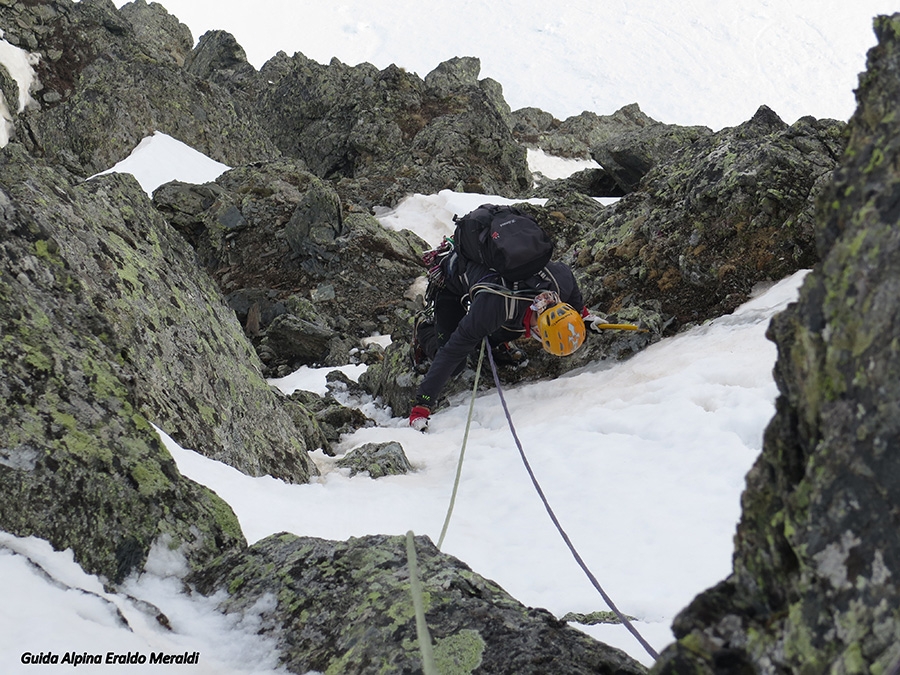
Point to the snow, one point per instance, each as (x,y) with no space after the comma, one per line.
(19,64)
(643,461)
(151,163)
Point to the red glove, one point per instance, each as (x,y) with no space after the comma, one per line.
(418,417)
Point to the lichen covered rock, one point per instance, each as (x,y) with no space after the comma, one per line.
(346,607)
(192,371)
(383,134)
(376,459)
(711,219)
(276,226)
(80,464)
(817,559)
(113,77)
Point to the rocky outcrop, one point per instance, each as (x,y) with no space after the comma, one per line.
(590,182)
(112,78)
(628,157)
(193,372)
(717,216)
(575,136)
(383,134)
(274,233)
(817,559)
(347,607)
(80,465)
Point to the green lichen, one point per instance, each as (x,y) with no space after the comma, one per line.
(48,250)
(854,661)
(150,479)
(459,654)
(224,516)
(692,643)
(799,644)
(37,359)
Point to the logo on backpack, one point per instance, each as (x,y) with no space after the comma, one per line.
(503,239)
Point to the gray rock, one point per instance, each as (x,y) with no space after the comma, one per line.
(216,51)
(297,341)
(575,136)
(80,464)
(346,607)
(723,213)
(332,418)
(158,32)
(131,57)
(628,157)
(453,75)
(382,134)
(590,182)
(376,459)
(294,237)
(194,373)
(817,558)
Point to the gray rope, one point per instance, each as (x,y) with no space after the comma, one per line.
(415,586)
(624,619)
(462,450)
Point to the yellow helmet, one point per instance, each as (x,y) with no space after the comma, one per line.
(561,329)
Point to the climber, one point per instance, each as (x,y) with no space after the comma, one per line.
(547,306)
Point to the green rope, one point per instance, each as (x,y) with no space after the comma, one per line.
(428,666)
(462,450)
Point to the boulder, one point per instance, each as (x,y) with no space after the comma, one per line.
(817,559)
(159,33)
(195,375)
(590,182)
(575,136)
(80,464)
(629,156)
(376,459)
(332,418)
(346,607)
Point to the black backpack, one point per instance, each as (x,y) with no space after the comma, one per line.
(503,239)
